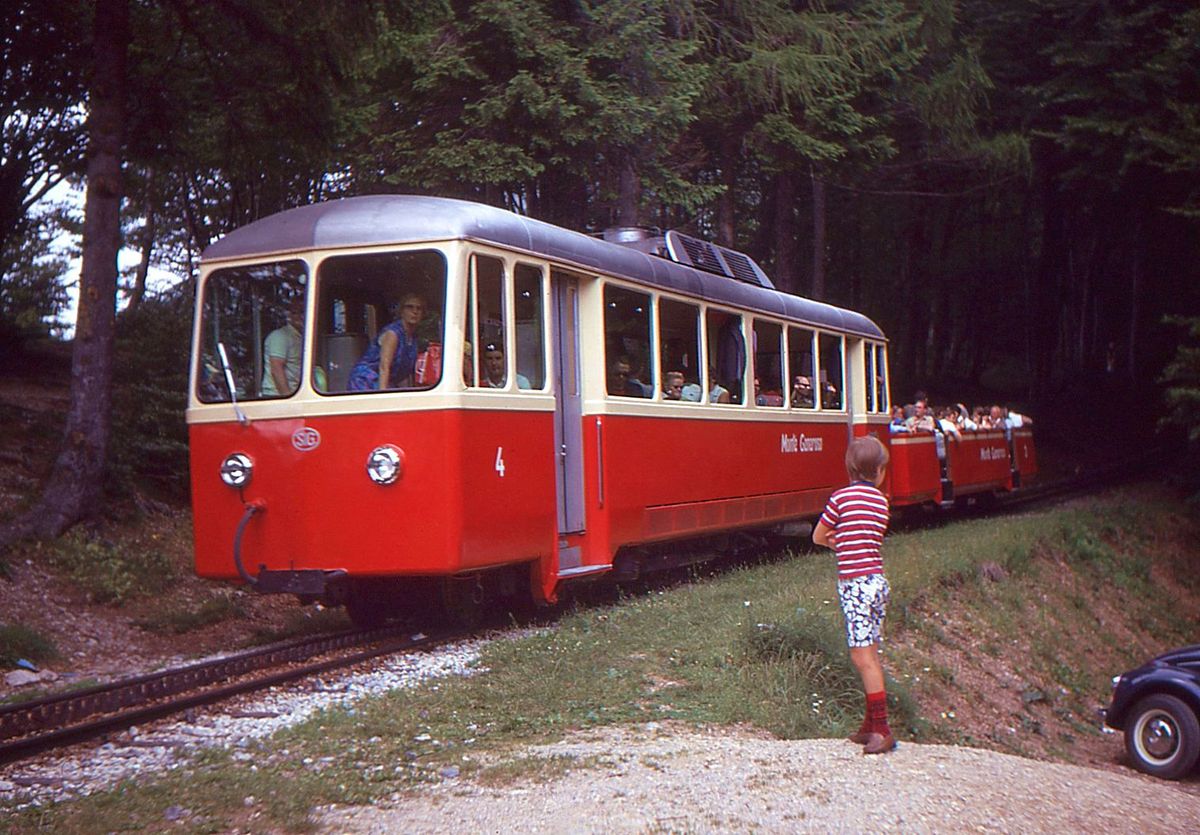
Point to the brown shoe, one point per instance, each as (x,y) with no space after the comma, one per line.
(859,737)
(879,744)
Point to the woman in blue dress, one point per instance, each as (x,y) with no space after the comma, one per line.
(397,341)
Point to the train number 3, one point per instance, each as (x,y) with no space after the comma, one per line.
(500,460)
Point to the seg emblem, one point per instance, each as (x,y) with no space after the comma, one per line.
(306,439)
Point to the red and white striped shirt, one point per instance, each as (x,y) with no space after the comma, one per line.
(858,515)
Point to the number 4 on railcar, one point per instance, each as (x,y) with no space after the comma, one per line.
(405,402)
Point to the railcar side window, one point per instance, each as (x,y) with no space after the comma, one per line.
(869,375)
(831,375)
(768,364)
(530,328)
(679,351)
(726,356)
(380,321)
(253,315)
(489,315)
(800,367)
(627,342)
(881,381)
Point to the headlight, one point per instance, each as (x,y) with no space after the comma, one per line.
(237,469)
(385,464)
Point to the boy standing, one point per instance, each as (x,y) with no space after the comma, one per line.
(853,524)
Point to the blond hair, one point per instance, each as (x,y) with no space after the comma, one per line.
(865,458)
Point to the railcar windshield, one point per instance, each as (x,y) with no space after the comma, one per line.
(251,332)
(379,322)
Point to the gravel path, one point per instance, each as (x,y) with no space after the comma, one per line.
(662,779)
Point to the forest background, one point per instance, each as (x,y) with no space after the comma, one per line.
(1010,189)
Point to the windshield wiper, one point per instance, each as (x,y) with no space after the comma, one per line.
(237,410)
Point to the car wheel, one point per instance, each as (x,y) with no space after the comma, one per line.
(1162,736)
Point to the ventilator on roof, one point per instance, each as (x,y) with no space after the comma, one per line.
(711,258)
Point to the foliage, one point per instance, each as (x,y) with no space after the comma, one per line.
(559,111)
(179,621)
(1182,378)
(111,573)
(32,291)
(1009,190)
(149,442)
(18,641)
(42,66)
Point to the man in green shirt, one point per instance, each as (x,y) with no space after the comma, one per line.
(282,350)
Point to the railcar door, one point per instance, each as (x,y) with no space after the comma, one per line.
(568,428)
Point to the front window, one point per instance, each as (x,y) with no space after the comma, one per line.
(379,322)
(252,326)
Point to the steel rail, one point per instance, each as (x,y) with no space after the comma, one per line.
(31,727)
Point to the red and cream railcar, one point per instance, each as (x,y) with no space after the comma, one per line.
(941,469)
(570,405)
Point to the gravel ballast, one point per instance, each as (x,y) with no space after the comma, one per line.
(143,753)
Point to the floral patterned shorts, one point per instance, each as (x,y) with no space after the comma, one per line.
(864,603)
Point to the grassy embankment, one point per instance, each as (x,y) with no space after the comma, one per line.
(760,645)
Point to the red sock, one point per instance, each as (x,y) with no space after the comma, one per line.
(865,727)
(877,713)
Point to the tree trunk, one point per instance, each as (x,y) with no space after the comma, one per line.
(913,292)
(143,271)
(629,195)
(1047,302)
(818,217)
(784,234)
(1135,296)
(75,484)
(727,202)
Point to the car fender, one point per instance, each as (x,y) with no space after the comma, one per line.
(1138,685)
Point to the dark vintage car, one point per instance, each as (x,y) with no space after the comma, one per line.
(1157,705)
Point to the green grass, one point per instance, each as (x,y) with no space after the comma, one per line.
(18,641)
(214,610)
(301,622)
(761,645)
(112,573)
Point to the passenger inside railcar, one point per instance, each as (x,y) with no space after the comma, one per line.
(768,397)
(802,392)
(947,424)
(496,369)
(468,363)
(282,350)
(831,398)
(921,420)
(673,382)
(1008,418)
(622,381)
(964,419)
(899,423)
(391,358)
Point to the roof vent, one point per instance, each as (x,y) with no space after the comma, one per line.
(715,259)
(646,239)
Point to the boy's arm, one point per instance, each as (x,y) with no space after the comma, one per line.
(823,535)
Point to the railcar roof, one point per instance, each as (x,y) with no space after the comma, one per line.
(400,218)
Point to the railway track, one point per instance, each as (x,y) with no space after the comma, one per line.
(32,727)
